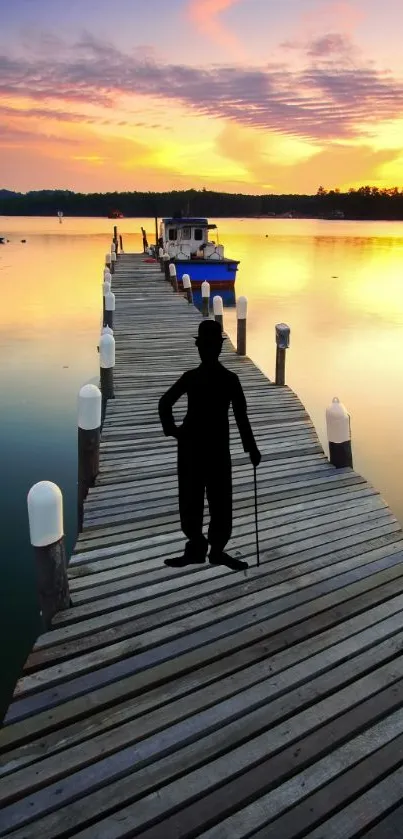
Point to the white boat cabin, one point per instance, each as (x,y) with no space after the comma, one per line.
(188,238)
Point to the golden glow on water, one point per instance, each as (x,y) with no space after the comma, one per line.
(339,285)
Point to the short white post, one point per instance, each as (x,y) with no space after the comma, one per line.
(187,287)
(339,435)
(45,514)
(205,291)
(108,261)
(107,275)
(113,248)
(113,262)
(106,287)
(160,257)
(107,363)
(109,308)
(241,312)
(165,260)
(89,435)
(218,310)
(172,274)
(282,344)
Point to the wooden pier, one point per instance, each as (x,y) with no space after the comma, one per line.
(170,703)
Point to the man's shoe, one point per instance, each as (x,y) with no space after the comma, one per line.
(217,558)
(194,554)
(182,561)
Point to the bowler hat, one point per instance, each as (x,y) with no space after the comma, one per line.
(209,330)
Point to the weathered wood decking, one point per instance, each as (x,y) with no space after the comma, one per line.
(202,702)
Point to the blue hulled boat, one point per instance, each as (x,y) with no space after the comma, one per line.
(186,240)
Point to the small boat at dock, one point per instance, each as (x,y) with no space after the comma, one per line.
(186,240)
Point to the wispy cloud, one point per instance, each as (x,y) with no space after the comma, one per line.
(207,15)
(328,98)
(331,44)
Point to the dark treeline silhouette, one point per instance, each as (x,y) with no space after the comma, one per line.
(364,203)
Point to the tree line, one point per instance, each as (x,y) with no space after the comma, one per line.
(367,202)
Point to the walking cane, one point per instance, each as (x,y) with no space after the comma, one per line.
(256,522)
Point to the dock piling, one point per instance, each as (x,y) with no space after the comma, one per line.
(89,435)
(45,514)
(121,244)
(108,261)
(115,239)
(160,257)
(107,363)
(339,435)
(241,312)
(282,344)
(166,259)
(106,287)
(205,290)
(109,308)
(187,288)
(113,262)
(218,310)
(172,274)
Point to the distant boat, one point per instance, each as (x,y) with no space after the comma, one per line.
(115,214)
(60,214)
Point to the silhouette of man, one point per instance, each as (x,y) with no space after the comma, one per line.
(204,460)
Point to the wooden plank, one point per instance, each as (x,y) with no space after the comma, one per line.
(167,610)
(176,649)
(255,763)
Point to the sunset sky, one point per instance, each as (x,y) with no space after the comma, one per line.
(241,95)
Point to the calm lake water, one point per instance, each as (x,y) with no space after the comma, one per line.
(339,285)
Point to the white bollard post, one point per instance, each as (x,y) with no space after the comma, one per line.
(107,261)
(106,287)
(113,262)
(187,287)
(160,257)
(282,344)
(109,308)
(89,435)
(45,514)
(218,310)
(165,260)
(339,435)
(107,275)
(113,248)
(172,274)
(107,363)
(205,291)
(241,312)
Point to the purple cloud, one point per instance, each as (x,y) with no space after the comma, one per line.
(324,100)
(332,44)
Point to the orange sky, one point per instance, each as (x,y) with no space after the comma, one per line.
(238,95)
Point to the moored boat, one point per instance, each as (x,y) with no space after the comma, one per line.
(186,240)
